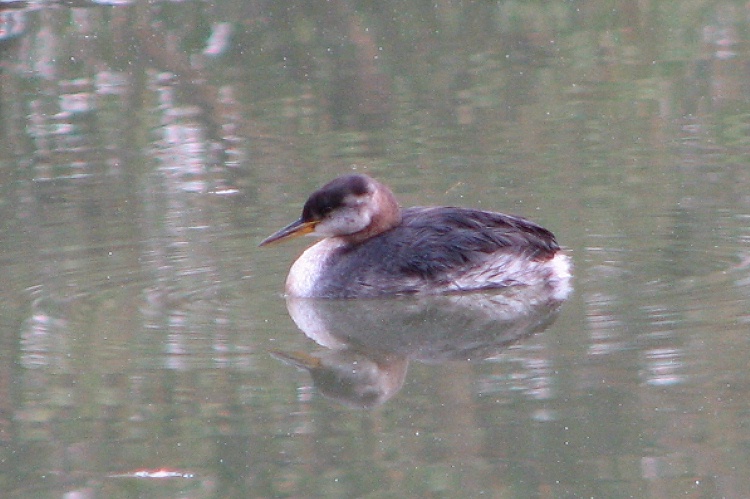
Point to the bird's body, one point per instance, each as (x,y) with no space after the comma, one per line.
(373,248)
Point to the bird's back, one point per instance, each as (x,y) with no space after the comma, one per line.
(437,250)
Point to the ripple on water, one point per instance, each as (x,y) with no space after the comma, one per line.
(675,298)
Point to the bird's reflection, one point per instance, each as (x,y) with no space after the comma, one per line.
(351,377)
(369,343)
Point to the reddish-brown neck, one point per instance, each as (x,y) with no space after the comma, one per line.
(386,215)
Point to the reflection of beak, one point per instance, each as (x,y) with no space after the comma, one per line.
(294,229)
(300,360)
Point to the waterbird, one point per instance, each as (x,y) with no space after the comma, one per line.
(371,247)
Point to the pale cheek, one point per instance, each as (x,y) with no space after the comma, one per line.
(347,223)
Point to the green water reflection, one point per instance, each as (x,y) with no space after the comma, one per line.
(146,148)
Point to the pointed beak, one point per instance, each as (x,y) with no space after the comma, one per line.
(294,229)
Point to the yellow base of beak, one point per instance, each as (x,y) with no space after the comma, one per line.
(294,229)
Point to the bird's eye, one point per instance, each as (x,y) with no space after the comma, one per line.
(325,211)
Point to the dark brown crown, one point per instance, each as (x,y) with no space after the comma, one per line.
(333,195)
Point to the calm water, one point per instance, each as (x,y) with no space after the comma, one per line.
(146,149)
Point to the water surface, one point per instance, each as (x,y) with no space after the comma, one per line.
(147,149)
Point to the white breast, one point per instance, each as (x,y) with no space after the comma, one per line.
(306,272)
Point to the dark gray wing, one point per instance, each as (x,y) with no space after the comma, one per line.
(435,245)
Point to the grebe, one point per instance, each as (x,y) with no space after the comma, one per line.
(371,247)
